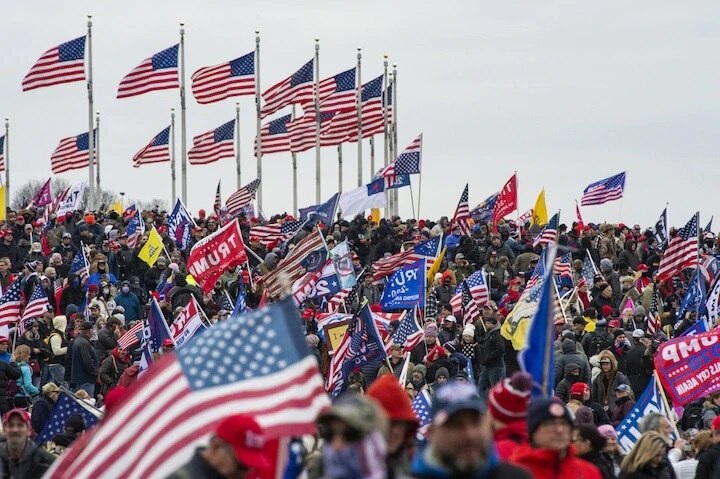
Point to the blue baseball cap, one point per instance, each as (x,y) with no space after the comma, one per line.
(453,397)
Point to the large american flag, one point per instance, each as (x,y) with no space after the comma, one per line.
(302,131)
(408,334)
(71,154)
(549,232)
(157,151)
(427,249)
(61,64)
(276,232)
(336,93)
(132,336)
(604,190)
(242,197)
(462,213)
(681,251)
(296,88)
(290,268)
(274,136)
(231,79)
(159,72)
(135,227)
(256,363)
(2,153)
(66,406)
(477,288)
(408,162)
(10,305)
(344,126)
(563,266)
(213,145)
(37,304)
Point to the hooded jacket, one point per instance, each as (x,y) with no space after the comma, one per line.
(551,464)
(603,388)
(571,356)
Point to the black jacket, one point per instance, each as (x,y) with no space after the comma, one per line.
(196,468)
(492,349)
(709,463)
(598,460)
(638,368)
(33,463)
(7,371)
(40,412)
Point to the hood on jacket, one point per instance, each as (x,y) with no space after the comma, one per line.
(442,372)
(60,322)
(570,368)
(568,346)
(610,356)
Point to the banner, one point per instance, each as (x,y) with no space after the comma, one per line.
(628,431)
(214,254)
(406,288)
(506,201)
(72,201)
(342,259)
(187,323)
(689,366)
(322,282)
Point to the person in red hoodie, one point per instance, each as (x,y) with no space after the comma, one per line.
(549,454)
(507,404)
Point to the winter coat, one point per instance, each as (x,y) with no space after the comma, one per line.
(492,348)
(85,362)
(709,463)
(26,388)
(111,369)
(603,390)
(447,335)
(7,371)
(396,368)
(562,390)
(510,437)
(638,368)
(425,465)
(129,376)
(33,463)
(106,342)
(570,356)
(131,303)
(40,412)
(601,462)
(623,406)
(550,464)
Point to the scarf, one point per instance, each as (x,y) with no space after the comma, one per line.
(362,460)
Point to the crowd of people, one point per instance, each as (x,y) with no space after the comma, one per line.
(482,420)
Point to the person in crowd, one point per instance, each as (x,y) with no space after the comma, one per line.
(19,456)
(611,451)
(85,365)
(709,459)
(9,371)
(507,404)
(589,445)
(44,404)
(563,390)
(107,338)
(605,385)
(26,389)
(710,410)
(687,468)
(57,346)
(646,459)
(396,360)
(74,426)
(624,403)
(660,424)
(492,356)
(571,356)
(128,300)
(112,368)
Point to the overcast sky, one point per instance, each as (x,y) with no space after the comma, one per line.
(565,93)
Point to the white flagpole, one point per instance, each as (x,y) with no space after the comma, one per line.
(7,164)
(97,150)
(394,193)
(317,121)
(359,115)
(237,145)
(340,168)
(172,155)
(420,180)
(372,155)
(258,153)
(294,171)
(183,116)
(91,122)
(386,153)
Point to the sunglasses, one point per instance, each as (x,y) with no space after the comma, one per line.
(348,434)
(605,362)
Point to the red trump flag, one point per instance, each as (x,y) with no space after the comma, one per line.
(214,254)
(506,201)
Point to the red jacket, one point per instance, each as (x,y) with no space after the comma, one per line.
(547,464)
(510,437)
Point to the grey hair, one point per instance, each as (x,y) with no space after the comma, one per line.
(651,422)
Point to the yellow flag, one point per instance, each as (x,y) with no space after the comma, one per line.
(375,213)
(2,203)
(116,207)
(152,249)
(540,216)
(435,266)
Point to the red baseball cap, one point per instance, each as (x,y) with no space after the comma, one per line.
(20,412)
(168,342)
(714,425)
(4,339)
(614,324)
(246,438)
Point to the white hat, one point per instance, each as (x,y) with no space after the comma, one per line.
(450,318)
(469,330)
(638,333)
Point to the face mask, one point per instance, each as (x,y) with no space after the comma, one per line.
(126,289)
(106,290)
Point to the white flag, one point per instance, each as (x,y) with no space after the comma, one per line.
(187,323)
(72,201)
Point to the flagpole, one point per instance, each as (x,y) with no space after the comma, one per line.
(340,168)
(183,116)
(358,96)
(294,171)
(97,150)
(258,153)
(388,196)
(420,180)
(317,120)
(372,155)
(91,133)
(394,193)
(7,165)
(172,157)
(659,387)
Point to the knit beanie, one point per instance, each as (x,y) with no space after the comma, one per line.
(431,330)
(469,330)
(442,372)
(544,409)
(607,431)
(607,311)
(508,399)
(419,368)
(394,400)
(584,415)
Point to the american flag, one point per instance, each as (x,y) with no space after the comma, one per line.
(709,267)
(242,197)
(462,213)
(157,151)
(408,162)
(297,88)
(231,79)
(589,270)
(344,126)
(290,268)
(549,232)
(563,265)
(476,286)
(408,334)
(135,228)
(653,320)
(61,64)
(178,403)
(217,204)
(682,250)
(159,72)
(132,336)
(2,153)
(302,131)
(336,93)
(580,223)
(79,266)
(484,211)
(421,406)
(66,406)
(10,305)
(344,298)
(274,136)
(427,249)
(213,145)
(604,190)
(36,305)
(71,154)
(276,232)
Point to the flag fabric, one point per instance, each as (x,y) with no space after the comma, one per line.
(10,303)
(462,213)
(64,63)
(695,299)
(483,212)
(363,198)
(662,233)
(344,298)
(470,311)
(563,266)
(135,228)
(155,332)
(605,190)
(275,233)
(283,392)
(132,336)
(72,153)
(157,151)
(342,259)
(336,93)
(476,287)
(709,267)
(152,249)
(681,251)
(408,162)
(540,214)
(79,266)
(227,80)
(187,323)
(291,266)
(213,145)
(159,72)
(517,321)
(628,431)
(408,334)
(324,212)
(361,345)
(316,283)
(708,228)
(66,406)
(297,88)
(37,304)
(302,130)
(538,357)
(428,249)
(578,216)
(405,288)
(240,301)
(343,127)
(421,406)
(180,223)
(242,197)
(43,197)
(71,201)
(2,153)
(506,201)
(217,204)
(713,303)
(274,136)
(588,271)
(549,233)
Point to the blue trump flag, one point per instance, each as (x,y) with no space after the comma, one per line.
(406,288)
(155,333)
(65,407)
(538,357)
(324,212)
(240,301)
(399,181)
(628,431)
(180,224)
(695,298)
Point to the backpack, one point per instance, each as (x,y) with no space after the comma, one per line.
(692,415)
(12,389)
(598,343)
(48,349)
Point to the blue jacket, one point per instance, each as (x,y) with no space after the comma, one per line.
(425,466)
(85,364)
(131,303)
(451,243)
(5,357)
(25,384)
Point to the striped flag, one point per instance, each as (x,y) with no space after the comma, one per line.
(274,136)
(604,190)
(297,88)
(177,405)
(213,145)
(428,249)
(408,334)
(157,151)
(290,268)
(344,126)
(64,63)
(132,336)
(217,204)
(79,266)
(344,299)
(477,288)
(71,154)
(302,131)
(242,197)
(2,153)
(549,232)
(159,72)
(276,233)
(563,266)
(227,80)
(37,304)
(10,305)
(682,250)
(462,213)
(408,162)
(135,228)
(339,92)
